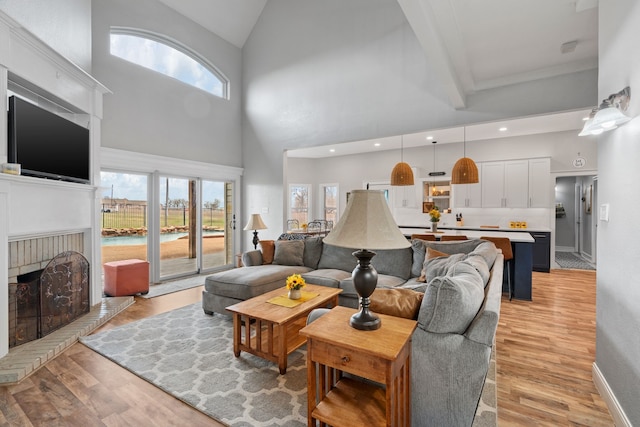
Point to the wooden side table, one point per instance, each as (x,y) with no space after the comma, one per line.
(382,356)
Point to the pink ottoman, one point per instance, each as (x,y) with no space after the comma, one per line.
(126,277)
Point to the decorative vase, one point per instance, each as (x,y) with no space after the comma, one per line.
(294,294)
(434,227)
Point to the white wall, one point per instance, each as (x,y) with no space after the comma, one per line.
(618,280)
(324,72)
(154,114)
(65,25)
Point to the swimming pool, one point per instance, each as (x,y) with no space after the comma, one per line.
(141,240)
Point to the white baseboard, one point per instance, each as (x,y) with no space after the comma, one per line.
(619,417)
(565,249)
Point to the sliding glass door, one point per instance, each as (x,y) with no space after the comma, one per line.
(217,230)
(178,227)
(196,225)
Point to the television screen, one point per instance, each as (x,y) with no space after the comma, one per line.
(47,145)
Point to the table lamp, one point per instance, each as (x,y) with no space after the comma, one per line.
(255,223)
(366,223)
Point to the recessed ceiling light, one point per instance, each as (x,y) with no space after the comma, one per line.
(332,150)
(377,144)
(429,138)
(502,129)
(584,119)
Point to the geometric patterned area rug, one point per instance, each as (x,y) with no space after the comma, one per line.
(573,261)
(189,355)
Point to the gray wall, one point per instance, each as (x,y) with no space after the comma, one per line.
(151,113)
(565,226)
(323,72)
(65,25)
(618,282)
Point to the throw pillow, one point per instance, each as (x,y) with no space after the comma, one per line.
(312,251)
(429,254)
(289,252)
(268,248)
(451,302)
(478,262)
(396,302)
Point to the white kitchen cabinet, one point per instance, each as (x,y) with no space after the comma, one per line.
(492,184)
(516,184)
(468,195)
(505,184)
(409,196)
(539,178)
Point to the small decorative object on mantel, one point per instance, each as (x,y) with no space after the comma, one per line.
(295,283)
(435,218)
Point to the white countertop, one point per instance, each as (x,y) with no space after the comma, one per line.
(515,236)
(506,229)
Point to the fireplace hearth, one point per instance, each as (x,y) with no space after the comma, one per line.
(46,300)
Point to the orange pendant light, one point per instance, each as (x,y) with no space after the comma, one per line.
(465,170)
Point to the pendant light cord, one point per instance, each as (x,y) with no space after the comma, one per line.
(464,141)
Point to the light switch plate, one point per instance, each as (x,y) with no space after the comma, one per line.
(604,212)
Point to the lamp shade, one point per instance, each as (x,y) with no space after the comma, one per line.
(464,171)
(255,223)
(367,223)
(402,174)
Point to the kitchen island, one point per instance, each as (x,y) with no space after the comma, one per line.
(521,243)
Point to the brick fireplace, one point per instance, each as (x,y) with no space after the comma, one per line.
(48,285)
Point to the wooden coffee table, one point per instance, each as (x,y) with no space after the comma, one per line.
(271,331)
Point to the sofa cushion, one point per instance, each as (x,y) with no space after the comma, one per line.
(440,266)
(384,281)
(312,251)
(414,285)
(451,302)
(247,282)
(289,252)
(479,263)
(419,248)
(393,262)
(268,248)
(488,251)
(430,254)
(335,257)
(419,252)
(396,302)
(330,277)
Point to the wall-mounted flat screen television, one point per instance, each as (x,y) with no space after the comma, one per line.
(47,145)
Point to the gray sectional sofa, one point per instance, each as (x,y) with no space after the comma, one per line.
(457,319)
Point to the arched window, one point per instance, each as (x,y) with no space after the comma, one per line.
(169,57)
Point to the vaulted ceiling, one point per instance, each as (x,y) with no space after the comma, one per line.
(474,45)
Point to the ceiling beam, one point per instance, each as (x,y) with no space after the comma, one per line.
(420,18)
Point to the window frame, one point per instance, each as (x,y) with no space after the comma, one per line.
(309,201)
(323,200)
(180,47)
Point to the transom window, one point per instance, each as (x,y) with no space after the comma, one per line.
(166,56)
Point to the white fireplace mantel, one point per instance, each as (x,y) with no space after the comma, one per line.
(34,207)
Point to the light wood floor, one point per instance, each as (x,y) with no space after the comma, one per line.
(545,350)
